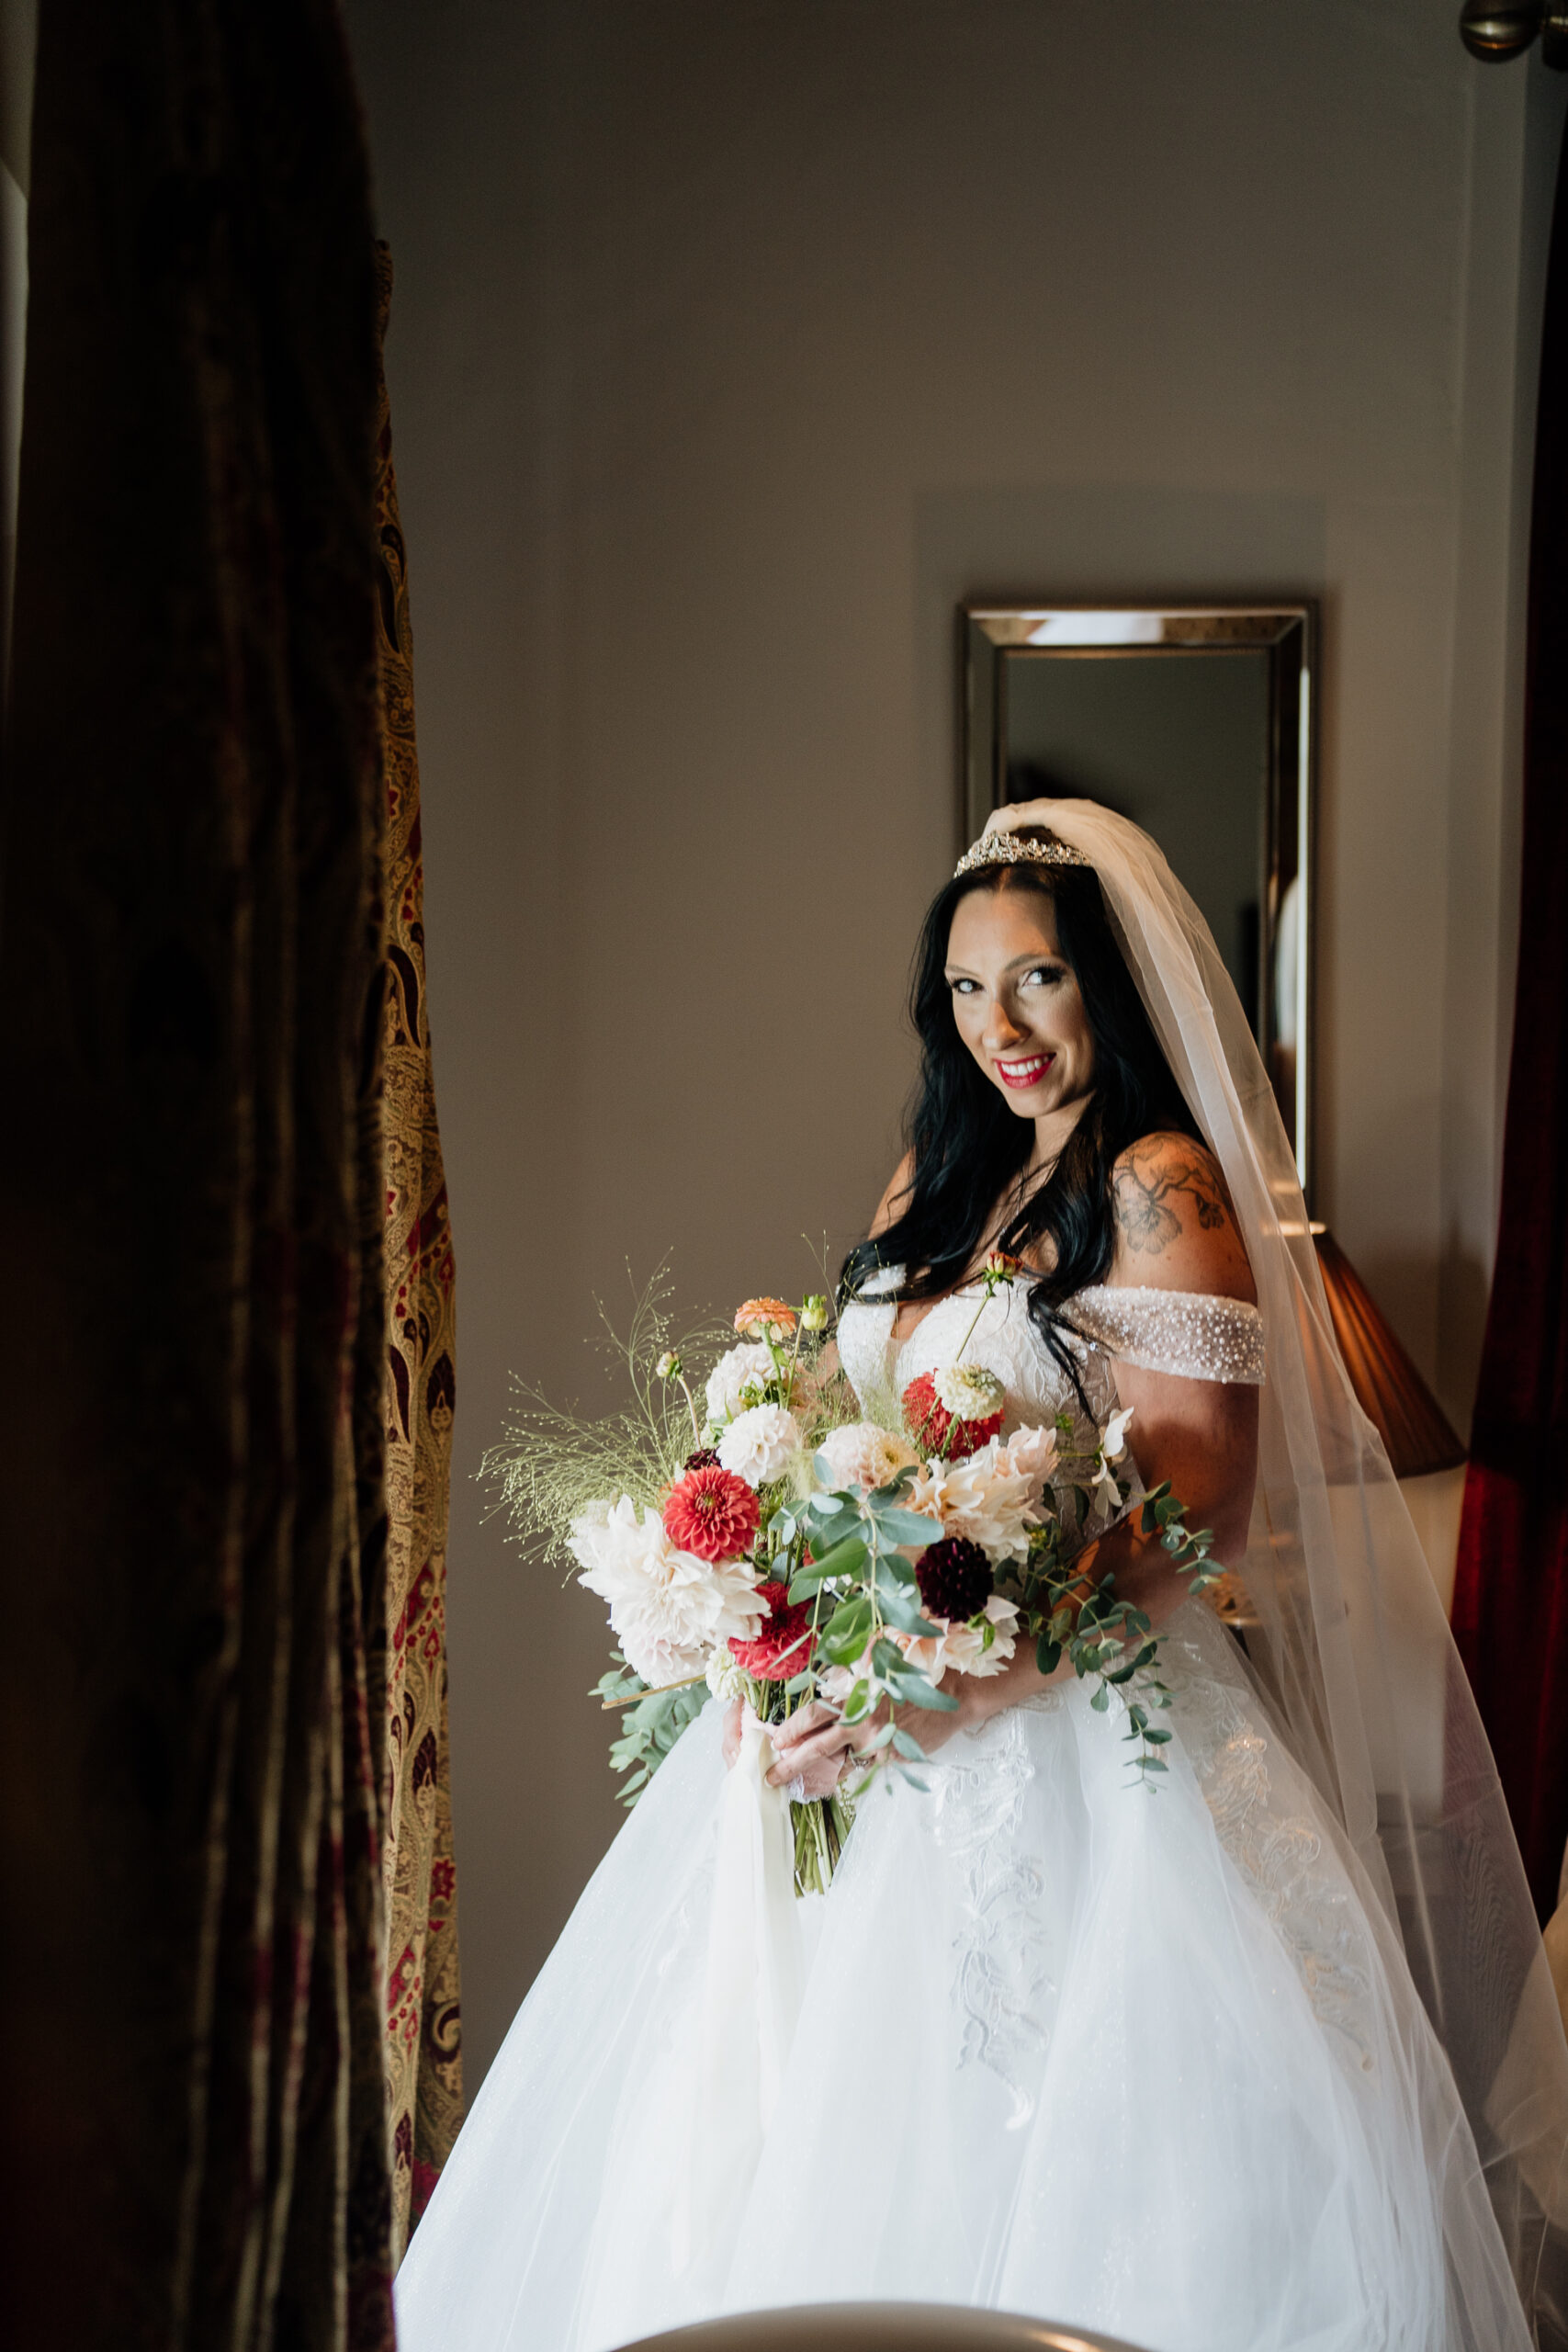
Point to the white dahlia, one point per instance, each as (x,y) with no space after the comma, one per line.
(668,1609)
(761,1444)
(983,1498)
(726,1679)
(863,1454)
(969,1392)
(745,1366)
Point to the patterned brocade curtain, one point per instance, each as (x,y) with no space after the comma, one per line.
(424,2058)
(191,1424)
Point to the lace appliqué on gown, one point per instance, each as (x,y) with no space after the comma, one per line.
(1001,1983)
(1000,1953)
(1278,1852)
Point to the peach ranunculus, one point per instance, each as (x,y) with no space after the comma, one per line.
(964,1647)
(863,1453)
(765,1318)
(984,1498)
(953,1648)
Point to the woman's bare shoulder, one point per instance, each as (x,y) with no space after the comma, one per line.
(895,1198)
(1175,1225)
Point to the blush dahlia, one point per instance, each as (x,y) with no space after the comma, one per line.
(936,1431)
(783,1646)
(712,1513)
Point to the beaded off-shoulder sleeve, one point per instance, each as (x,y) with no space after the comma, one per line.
(1188,1332)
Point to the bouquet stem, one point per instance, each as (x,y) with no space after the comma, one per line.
(821,1825)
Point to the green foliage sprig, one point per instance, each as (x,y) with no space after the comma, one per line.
(650,1727)
(1104,1638)
(854,1540)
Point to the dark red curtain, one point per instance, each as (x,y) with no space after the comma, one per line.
(1511,1593)
(191,1443)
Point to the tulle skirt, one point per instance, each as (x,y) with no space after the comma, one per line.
(1144,2061)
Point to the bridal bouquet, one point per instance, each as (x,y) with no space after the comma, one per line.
(778,1543)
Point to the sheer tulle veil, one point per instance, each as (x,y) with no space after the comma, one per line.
(1354,1651)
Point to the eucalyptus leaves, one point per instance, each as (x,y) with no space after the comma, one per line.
(787,1548)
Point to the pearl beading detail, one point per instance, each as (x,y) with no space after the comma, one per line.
(1188,1332)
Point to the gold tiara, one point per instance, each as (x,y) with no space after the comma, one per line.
(1013,849)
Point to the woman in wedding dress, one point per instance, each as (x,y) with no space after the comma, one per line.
(1264,2060)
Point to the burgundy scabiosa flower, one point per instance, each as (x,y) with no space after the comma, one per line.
(954,1578)
(712,1513)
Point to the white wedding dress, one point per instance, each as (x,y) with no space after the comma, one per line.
(1146,2062)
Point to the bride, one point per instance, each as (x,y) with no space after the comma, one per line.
(1266,2057)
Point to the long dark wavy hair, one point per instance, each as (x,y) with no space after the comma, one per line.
(970,1149)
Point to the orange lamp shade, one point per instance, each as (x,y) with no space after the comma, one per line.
(1418,1432)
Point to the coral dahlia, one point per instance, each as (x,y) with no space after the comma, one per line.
(712,1513)
(937,1431)
(765,1318)
(782,1646)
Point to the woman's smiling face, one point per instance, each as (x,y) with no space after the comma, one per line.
(1016,1002)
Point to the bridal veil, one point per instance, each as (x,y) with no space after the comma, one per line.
(1353,1648)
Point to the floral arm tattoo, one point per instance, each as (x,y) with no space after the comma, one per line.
(1149,1185)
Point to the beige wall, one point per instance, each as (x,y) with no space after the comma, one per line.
(733,343)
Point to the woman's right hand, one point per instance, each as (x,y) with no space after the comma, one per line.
(812,1742)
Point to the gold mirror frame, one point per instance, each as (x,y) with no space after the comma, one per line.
(995,636)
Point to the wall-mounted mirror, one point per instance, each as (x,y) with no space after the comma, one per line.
(1196,722)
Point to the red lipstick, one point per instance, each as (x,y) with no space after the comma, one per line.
(1025,1071)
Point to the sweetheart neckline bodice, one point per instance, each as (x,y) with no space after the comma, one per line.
(1193,1335)
(1134,1293)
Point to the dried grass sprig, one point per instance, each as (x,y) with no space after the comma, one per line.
(551,1464)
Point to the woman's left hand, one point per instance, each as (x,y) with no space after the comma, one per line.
(817,1745)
